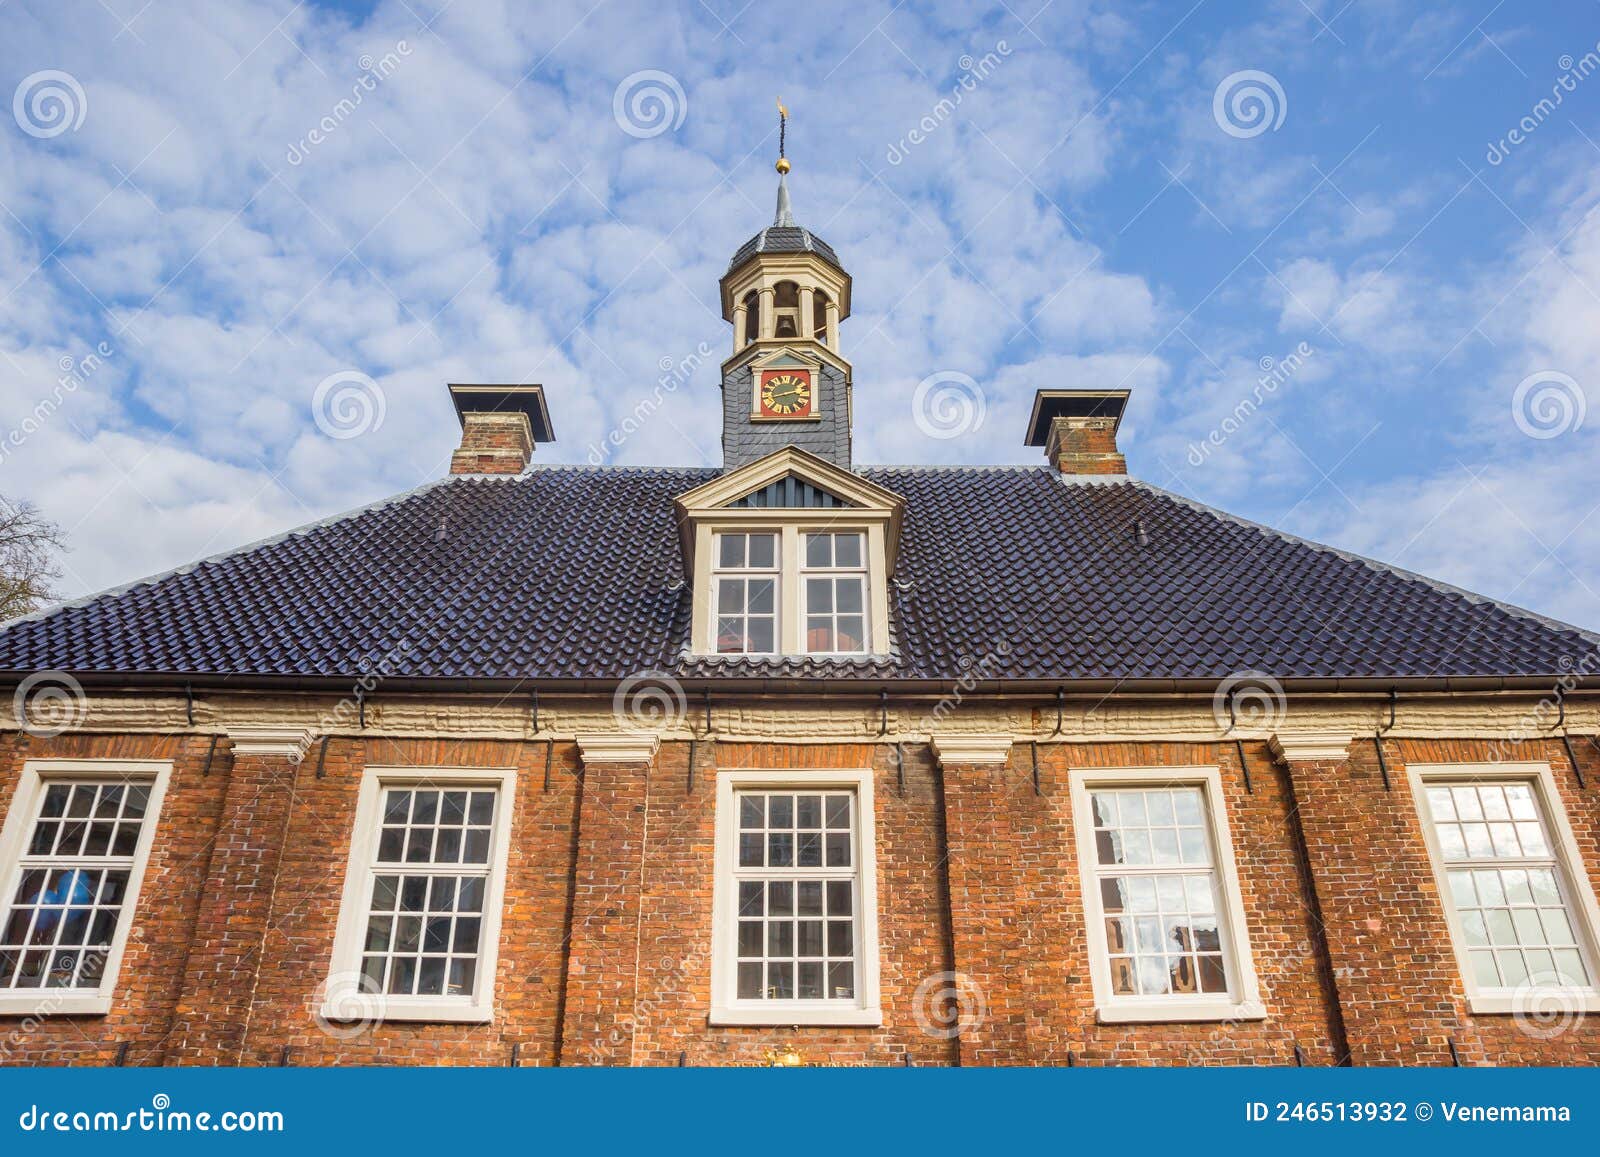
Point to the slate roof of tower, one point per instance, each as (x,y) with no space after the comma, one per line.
(576,572)
(783,239)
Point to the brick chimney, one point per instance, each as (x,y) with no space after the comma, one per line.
(1078,430)
(499,427)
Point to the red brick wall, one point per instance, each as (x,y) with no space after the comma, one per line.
(1399,986)
(976,872)
(1020,932)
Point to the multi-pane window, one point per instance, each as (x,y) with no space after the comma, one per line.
(745,583)
(798,901)
(424,927)
(1158,892)
(834,578)
(1506,884)
(72,890)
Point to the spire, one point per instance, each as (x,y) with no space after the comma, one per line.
(783,218)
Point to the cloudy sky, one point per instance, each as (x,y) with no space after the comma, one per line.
(1345,252)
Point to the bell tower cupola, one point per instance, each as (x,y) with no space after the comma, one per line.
(786,383)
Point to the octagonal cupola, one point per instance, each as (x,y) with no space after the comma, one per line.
(785,382)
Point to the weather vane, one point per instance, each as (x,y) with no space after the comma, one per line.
(783,125)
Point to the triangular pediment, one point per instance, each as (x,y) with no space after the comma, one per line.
(792,469)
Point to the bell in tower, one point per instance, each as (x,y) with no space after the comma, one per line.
(786,384)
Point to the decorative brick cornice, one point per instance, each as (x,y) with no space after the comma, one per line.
(981,749)
(618,748)
(1311,746)
(282,741)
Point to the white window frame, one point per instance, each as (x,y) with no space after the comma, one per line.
(862,572)
(356,900)
(791,527)
(37,775)
(747,574)
(726,1007)
(1243,999)
(1570,875)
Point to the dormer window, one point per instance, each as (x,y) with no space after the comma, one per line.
(791,556)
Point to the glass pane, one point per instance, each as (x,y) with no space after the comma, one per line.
(750,848)
(839,898)
(841,980)
(817,549)
(750,981)
(838,811)
(810,981)
(762,637)
(852,633)
(819,596)
(809,853)
(750,895)
(846,550)
(750,938)
(730,550)
(780,809)
(482,807)
(780,849)
(752,811)
(849,594)
(730,596)
(838,849)
(763,551)
(808,811)
(809,897)
(760,595)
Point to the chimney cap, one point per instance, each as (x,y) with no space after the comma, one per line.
(485,399)
(1051,404)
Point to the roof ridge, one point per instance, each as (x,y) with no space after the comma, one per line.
(1376,564)
(245,548)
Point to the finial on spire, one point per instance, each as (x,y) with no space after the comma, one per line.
(783,218)
(783,123)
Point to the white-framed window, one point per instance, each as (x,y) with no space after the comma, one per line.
(795,909)
(746,574)
(73,853)
(793,589)
(419,922)
(1167,933)
(833,577)
(1521,911)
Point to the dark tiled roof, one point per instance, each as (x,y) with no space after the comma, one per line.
(574,572)
(783,239)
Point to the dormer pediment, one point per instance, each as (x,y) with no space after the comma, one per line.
(782,466)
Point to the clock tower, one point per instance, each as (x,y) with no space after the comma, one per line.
(786,384)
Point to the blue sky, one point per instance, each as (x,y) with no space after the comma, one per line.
(1420,289)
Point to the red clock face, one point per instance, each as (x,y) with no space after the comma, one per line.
(785,394)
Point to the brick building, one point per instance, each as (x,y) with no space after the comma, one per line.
(796,758)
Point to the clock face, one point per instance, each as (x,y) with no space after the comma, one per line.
(786,394)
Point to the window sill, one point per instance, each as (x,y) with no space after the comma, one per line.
(425,1012)
(1172,1012)
(1535,1000)
(54,1002)
(796,1015)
